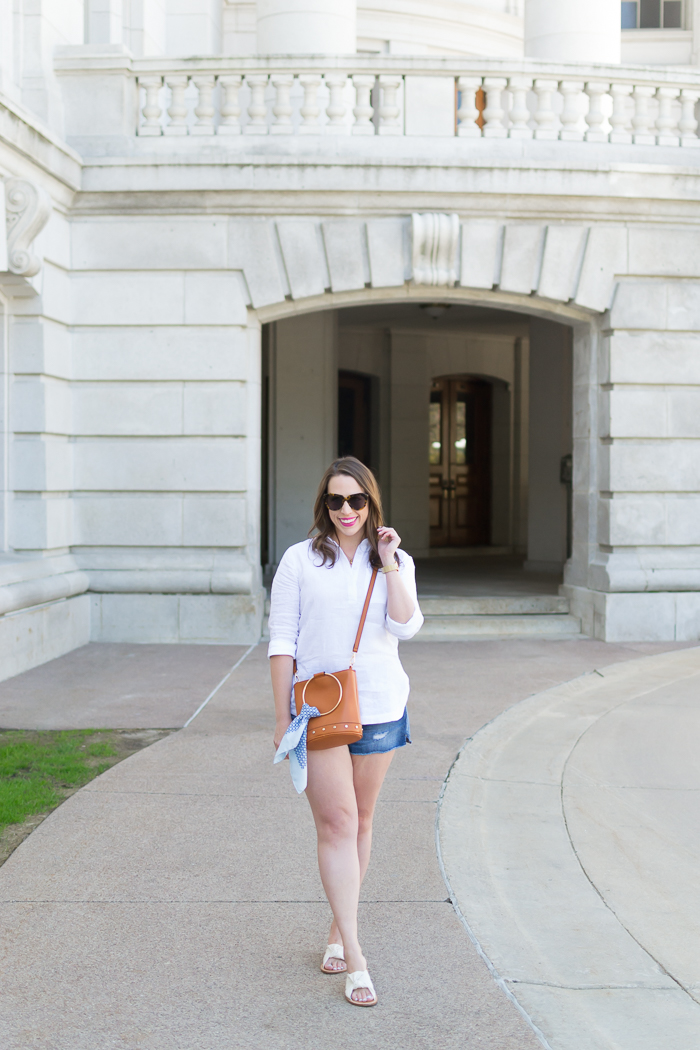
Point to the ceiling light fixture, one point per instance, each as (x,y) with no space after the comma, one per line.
(435,310)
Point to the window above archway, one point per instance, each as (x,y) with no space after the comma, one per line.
(652,14)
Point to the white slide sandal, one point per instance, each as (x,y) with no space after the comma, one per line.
(359,979)
(333,951)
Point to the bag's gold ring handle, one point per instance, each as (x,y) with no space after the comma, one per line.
(340,687)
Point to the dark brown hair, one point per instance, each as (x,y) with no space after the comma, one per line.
(323,526)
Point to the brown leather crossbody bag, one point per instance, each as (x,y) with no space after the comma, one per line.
(335,696)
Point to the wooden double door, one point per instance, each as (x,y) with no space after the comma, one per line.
(460,462)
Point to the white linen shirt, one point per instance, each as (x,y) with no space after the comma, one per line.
(315,611)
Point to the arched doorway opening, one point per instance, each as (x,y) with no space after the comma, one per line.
(388,382)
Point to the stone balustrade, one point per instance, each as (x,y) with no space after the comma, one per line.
(395,96)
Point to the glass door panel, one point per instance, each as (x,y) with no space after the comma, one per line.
(460,462)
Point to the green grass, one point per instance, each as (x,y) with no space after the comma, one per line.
(38,769)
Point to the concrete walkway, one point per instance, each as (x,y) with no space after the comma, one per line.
(116,686)
(569,830)
(173,904)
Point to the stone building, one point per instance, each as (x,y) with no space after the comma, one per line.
(472,226)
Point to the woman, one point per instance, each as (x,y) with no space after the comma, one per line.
(316,603)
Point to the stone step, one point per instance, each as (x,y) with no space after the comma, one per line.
(520,606)
(443,628)
(527,605)
(460,619)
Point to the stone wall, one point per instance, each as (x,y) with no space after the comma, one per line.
(135,368)
(644,571)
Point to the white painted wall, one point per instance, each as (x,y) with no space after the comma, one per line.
(571,31)
(448,27)
(303,439)
(45,24)
(9,56)
(305,27)
(658,47)
(193,27)
(145,26)
(103,21)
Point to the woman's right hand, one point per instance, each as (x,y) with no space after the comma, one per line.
(280,729)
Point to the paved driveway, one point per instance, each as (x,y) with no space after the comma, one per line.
(174,904)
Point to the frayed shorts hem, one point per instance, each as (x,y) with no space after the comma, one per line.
(381,737)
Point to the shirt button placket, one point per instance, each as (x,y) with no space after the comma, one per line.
(352,579)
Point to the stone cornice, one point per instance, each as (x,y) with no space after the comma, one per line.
(29,144)
(81,60)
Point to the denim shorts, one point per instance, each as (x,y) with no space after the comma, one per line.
(382,737)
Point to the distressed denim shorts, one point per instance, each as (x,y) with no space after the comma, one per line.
(382,737)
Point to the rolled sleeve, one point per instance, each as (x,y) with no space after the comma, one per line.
(285,608)
(282,647)
(404,631)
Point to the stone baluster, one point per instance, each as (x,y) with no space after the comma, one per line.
(667,119)
(282,109)
(494,128)
(641,121)
(152,110)
(595,118)
(310,109)
(687,125)
(336,108)
(545,116)
(389,110)
(204,110)
(519,113)
(257,110)
(230,123)
(177,110)
(620,118)
(363,110)
(468,113)
(571,130)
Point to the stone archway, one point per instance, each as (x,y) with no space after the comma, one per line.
(301,361)
(562,273)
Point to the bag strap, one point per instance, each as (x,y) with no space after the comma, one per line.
(360,629)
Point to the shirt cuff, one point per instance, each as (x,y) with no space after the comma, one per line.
(404,631)
(282,647)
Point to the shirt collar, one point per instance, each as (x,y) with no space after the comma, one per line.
(362,546)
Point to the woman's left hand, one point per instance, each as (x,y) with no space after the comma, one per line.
(389,542)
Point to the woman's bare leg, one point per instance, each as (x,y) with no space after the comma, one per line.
(331,794)
(368,776)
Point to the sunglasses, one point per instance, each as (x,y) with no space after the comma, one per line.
(358,501)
